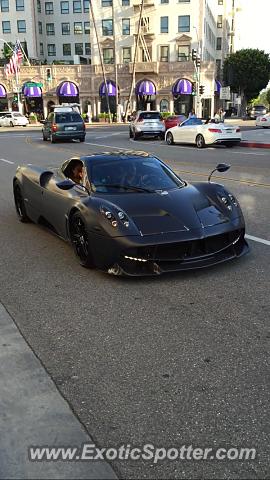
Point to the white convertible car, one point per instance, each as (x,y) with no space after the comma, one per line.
(263,121)
(194,130)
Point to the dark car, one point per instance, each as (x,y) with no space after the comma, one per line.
(174,120)
(133,215)
(65,125)
(256,110)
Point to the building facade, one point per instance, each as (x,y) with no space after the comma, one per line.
(163,33)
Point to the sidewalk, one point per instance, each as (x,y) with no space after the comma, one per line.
(33,413)
(258,138)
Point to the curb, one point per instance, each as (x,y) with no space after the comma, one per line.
(254,145)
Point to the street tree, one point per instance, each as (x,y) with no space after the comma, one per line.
(247,71)
(7,51)
(268,98)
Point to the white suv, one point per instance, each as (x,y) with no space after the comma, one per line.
(148,123)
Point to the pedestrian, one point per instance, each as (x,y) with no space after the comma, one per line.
(192,114)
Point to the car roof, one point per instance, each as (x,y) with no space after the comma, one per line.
(128,155)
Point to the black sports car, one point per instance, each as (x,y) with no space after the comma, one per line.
(130,214)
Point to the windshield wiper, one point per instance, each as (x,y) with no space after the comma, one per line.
(126,187)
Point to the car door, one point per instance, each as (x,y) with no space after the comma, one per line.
(7,119)
(184,132)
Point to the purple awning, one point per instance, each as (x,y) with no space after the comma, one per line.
(3,92)
(145,87)
(67,89)
(111,87)
(182,87)
(217,87)
(35,92)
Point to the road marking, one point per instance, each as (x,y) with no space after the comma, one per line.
(6,161)
(110,135)
(107,146)
(250,153)
(257,239)
(245,181)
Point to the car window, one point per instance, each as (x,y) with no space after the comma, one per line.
(150,116)
(17,115)
(67,117)
(193,121)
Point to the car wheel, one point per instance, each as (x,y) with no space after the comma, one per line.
(80,240)
(52,139)
(11,124)
(130,133)
(44,138)
(19,204)
(162,136)
(169,138)
(82,139)
(135,136)
(200,142)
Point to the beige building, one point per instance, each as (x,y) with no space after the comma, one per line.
(165,73)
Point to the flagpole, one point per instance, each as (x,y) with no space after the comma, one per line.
(18,89)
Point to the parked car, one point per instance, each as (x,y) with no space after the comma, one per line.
(63,125)
(13,119)
(193,130)
(263,121)
(256,110)
(3,113)
(147,123)
(174,120)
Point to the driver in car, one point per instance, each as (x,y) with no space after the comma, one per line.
(76,172)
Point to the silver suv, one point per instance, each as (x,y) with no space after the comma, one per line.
(147,123)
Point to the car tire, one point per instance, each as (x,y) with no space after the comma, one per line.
(80,240)
(19,204)
(52,139)
(135,136)
(130,133)
(11,124)
(82,139)
(200,142)
(169,138)
(44,138)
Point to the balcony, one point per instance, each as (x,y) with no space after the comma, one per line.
(146,4)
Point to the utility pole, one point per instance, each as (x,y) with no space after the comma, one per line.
(115,65)
(134,60)
(101,59)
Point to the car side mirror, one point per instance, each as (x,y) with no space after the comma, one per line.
(65,184)
(221,167)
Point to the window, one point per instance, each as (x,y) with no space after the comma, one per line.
(86,6)
(183,1)
(66,28)
(6,27)
(219,43)
(183,53)
(125,26)
(219,21)
(50,29)
(87,28)
(38,6)
(106,3)
(66,49)
(164,24)
(107,27)
(108,55)
(144,57)
(220,2)
(49,8)
(51,50)
(20,5)
(184,23)
(164,1)
(77,6)
(21,26)
(4,5)
(40,28)
(41,49)
(126,54)
(164,53)
(125,3)
(78,28)
(78,48)
(87,49)
(64,7)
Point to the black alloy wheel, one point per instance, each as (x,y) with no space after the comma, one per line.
(80,241)
(19,204)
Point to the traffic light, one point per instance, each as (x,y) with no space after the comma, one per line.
(198,61)
(201,89)
(194,55)
(193,91)
(15,97)
(49,75)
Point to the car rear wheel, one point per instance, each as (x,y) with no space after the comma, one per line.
(130,133)
(11,124)
(52,139)
(169,138)
(135,136)
(82,139)
(80,240)
(200,142)
(19,204)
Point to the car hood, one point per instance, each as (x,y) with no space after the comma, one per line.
(173,211)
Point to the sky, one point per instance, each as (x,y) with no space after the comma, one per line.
(252,31)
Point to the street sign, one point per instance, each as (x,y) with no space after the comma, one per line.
(225,93)
(33,84)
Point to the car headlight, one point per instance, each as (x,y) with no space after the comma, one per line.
(113,219)
(228,200)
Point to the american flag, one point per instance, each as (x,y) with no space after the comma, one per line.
(14,63)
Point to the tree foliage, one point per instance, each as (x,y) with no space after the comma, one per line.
(268,97)
(6,51)
(247,71)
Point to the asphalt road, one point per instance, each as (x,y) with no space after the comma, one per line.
(180,359)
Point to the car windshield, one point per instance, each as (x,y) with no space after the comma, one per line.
(193,121)
(17,115)
(150,116)
(131,175)
(68,117)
